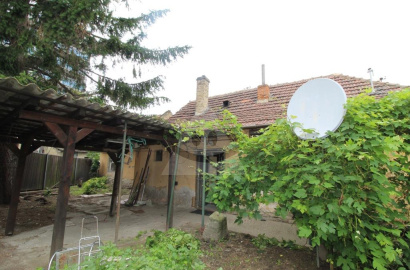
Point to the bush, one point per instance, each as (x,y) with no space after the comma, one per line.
(348,192)
(173,249)
(95,163)
(95,185)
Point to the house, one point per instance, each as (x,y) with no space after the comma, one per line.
(255,108)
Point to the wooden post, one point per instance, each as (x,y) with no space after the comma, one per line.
(116,183)
(22,155)
(63,192)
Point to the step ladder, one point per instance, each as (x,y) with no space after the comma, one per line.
(87,246)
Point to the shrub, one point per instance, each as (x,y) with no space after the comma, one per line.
(95,163)
(173,249)
(95,185)
(349,191)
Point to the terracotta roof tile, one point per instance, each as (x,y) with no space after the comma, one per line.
(244,104)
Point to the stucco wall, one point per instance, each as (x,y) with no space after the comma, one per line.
(129,166)
(156,188)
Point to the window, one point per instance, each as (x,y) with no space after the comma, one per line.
(158,155)
(255,132)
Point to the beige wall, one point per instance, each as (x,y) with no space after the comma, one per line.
(129,166)
(157,184)
(103,164)
(156,188)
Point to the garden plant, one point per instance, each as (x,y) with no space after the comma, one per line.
(348,192)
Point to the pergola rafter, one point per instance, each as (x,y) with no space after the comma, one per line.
(33,118)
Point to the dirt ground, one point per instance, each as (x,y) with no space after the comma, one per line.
(238,252)
(34,211)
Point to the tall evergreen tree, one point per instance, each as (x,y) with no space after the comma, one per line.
(65,43)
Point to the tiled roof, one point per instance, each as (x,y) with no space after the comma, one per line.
(244,104)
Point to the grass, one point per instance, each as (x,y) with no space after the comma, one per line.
(76,191)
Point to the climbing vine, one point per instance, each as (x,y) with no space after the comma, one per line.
(348,191)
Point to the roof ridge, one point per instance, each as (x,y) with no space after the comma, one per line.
(299,81)
(250,112)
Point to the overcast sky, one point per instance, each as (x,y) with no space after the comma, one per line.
(294,39)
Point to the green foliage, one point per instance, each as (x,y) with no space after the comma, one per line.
(76,191)
(262,242)
(95,162)
(61,43)
(95,185)
(349,191)
(172,249)
(47,192)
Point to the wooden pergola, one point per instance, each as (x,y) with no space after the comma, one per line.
(33,118)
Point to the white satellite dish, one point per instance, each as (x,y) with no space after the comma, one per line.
(319,105)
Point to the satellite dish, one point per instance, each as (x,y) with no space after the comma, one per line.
(319,105)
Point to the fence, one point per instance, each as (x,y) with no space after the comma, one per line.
(44,171)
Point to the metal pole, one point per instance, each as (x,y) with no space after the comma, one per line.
(75,169)
(45,174)
(171,199)
(370,71)
(117,222)
(263,74)
(203,184)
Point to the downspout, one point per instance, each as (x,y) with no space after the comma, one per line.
(370,71)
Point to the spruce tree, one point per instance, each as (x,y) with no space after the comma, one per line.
(66,44)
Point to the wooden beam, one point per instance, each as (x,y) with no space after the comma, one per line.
(78,114)
(42,117)
(167,145)
(63,192)
(12,214)
(57,131)
(81,134)
(115,158)
(12,115)
(37,144)
(55,101)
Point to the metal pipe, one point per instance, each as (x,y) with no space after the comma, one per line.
(370,71)
(171,198)
(117,222)
(75,169)
(45,174)
(203,184)
(263,74)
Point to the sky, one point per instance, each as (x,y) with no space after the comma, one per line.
(295,40)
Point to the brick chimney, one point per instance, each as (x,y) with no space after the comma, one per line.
(263,93)
(202,91)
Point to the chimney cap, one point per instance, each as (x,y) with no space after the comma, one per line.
(203,77)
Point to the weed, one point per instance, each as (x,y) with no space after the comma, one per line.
(262,242)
